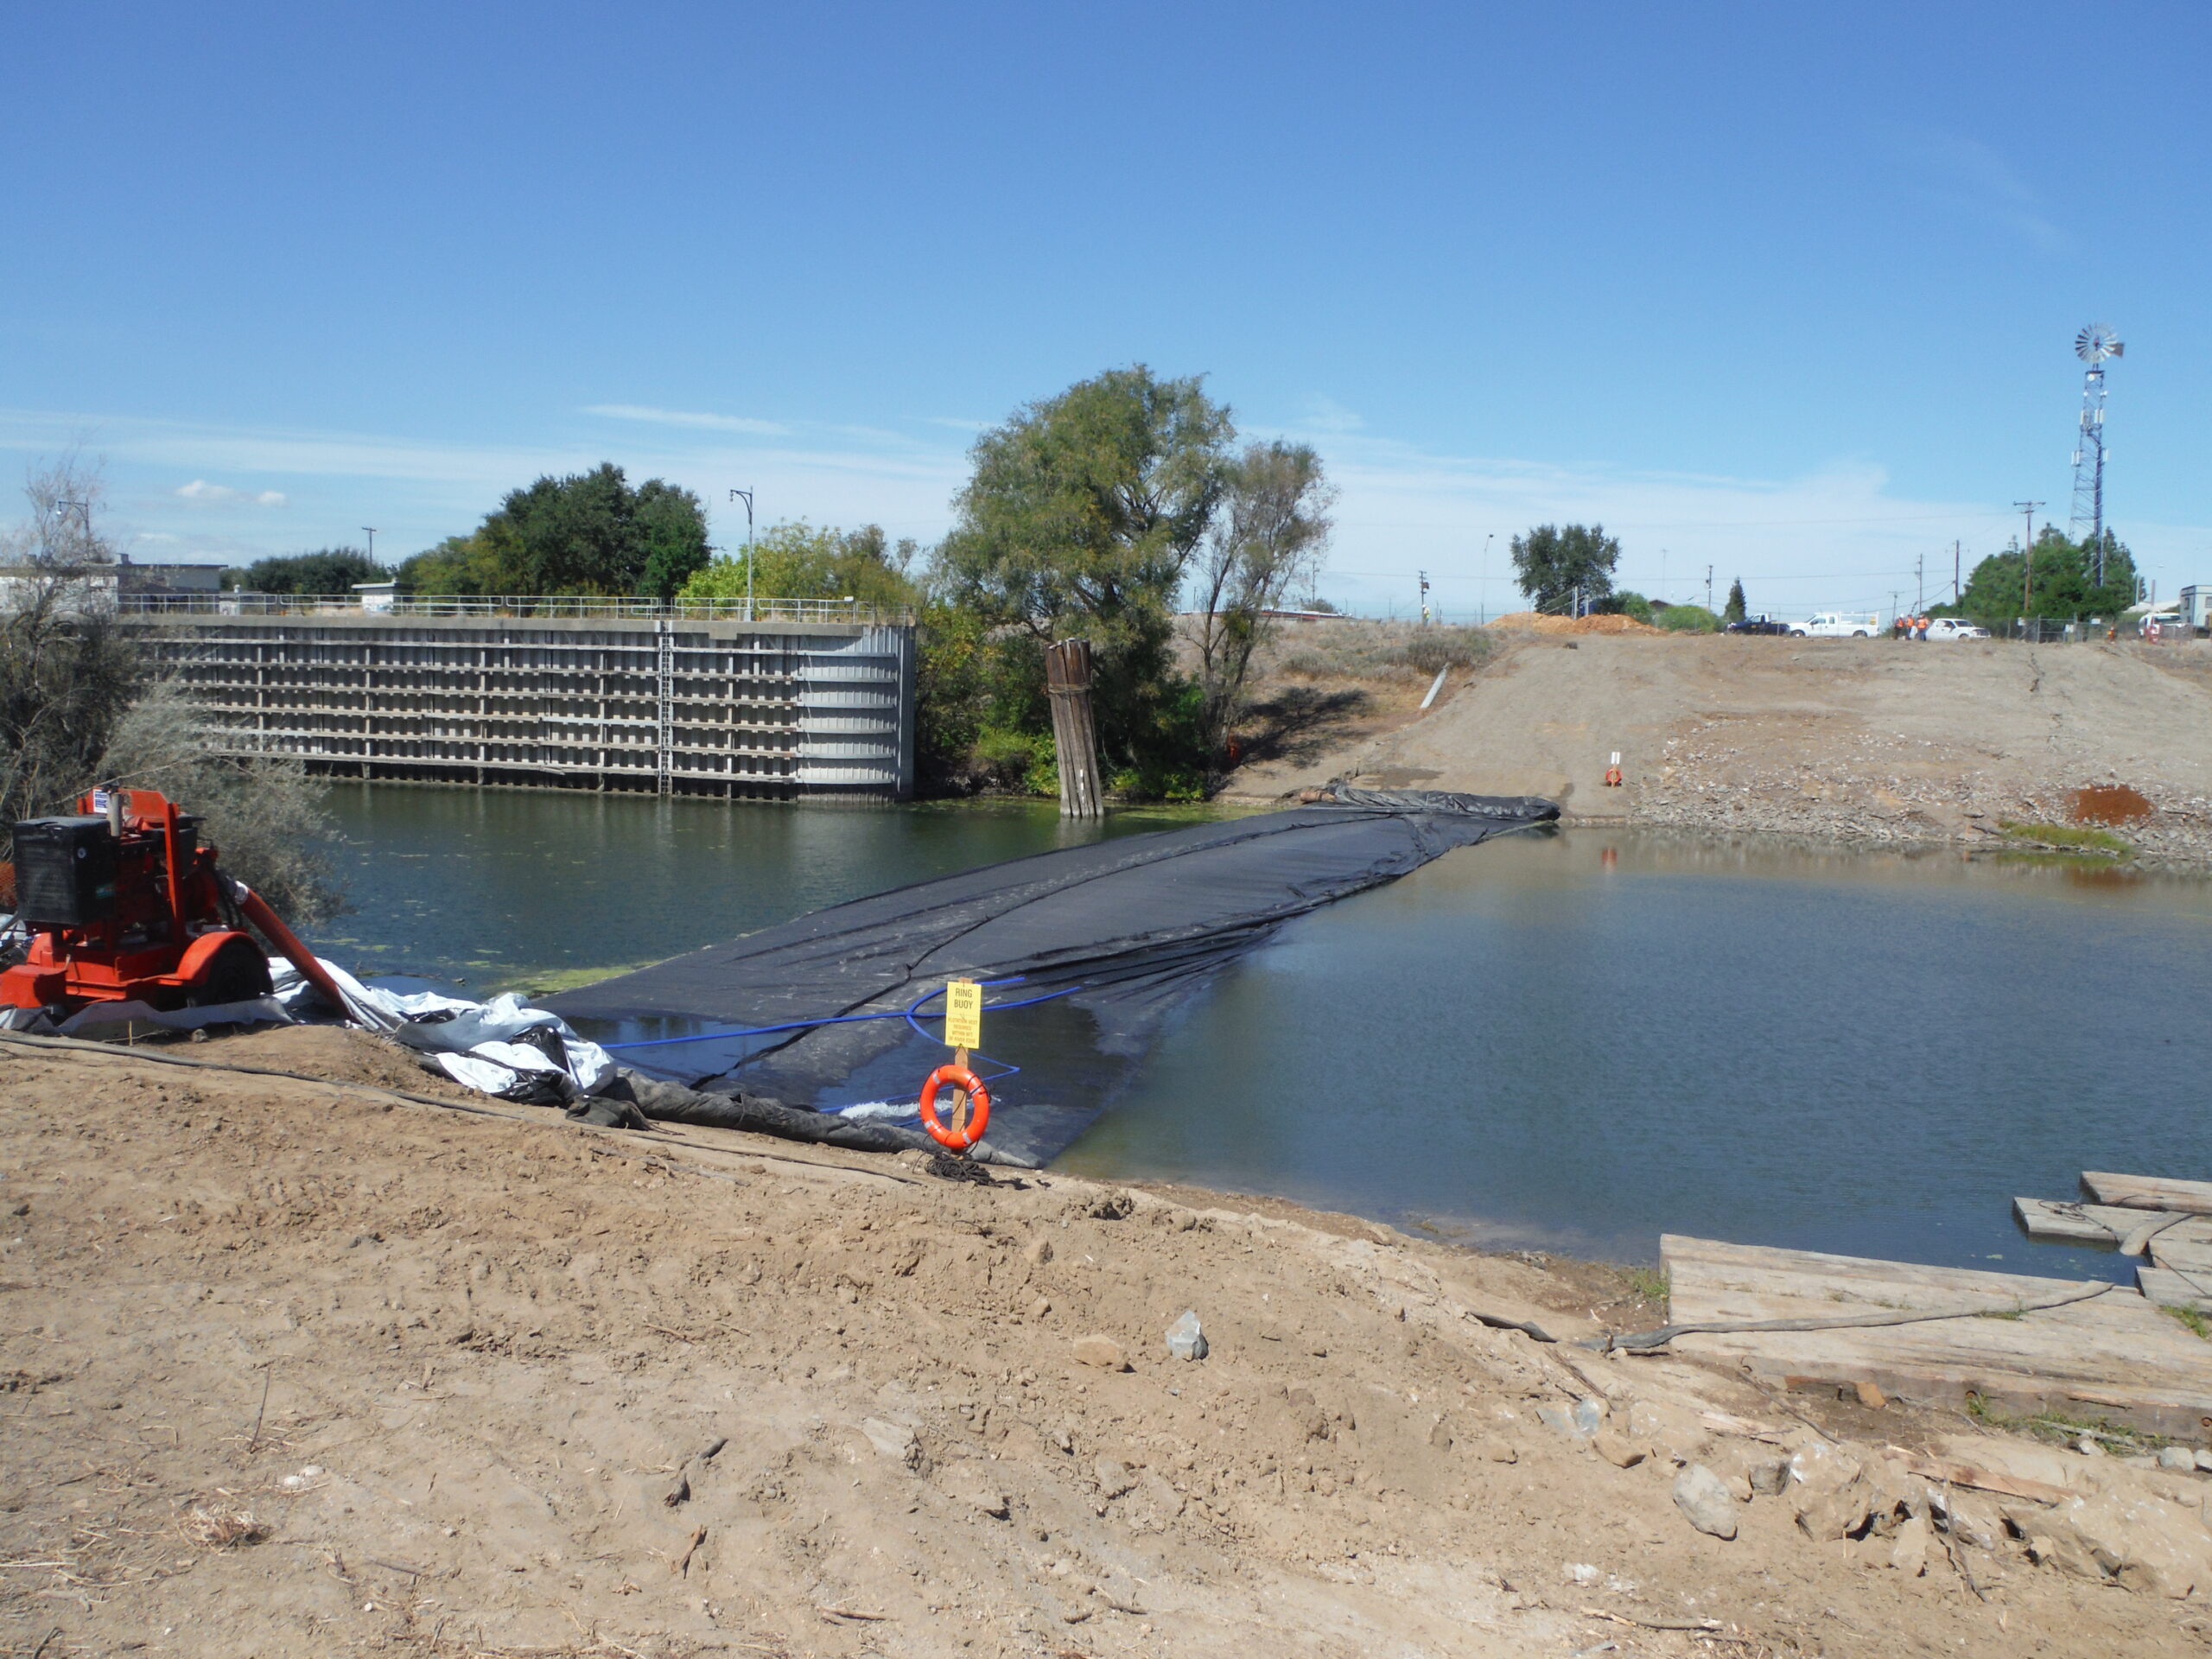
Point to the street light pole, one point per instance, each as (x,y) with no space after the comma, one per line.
(371,532)
(745,496)
(83,519)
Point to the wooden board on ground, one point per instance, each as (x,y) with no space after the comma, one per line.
(2183,1255)
(2105,1225)
(2113,1355)
(2170,1289)
(2148,1191)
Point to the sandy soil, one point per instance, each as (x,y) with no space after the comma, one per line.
(1867,739)
(297,1368)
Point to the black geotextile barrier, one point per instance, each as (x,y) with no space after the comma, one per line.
(1120,929)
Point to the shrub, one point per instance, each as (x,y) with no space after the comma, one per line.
(1686,619)
(1017,762)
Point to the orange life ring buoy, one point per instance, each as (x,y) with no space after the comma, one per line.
(978,1096)
(1612,777)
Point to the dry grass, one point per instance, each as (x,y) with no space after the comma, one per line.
(1374,651)
(221,1529)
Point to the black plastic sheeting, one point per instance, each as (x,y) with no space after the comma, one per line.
(1112,935)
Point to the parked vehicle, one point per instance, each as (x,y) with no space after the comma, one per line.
(1757,625)
(2164,625)
(1839,625)
(1955,628)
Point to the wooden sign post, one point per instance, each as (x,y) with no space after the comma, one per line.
(964,1030)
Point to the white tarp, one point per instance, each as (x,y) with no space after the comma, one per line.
(500,1047)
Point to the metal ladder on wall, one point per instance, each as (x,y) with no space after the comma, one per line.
(664,679)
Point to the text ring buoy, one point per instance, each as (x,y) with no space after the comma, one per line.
(959,1077)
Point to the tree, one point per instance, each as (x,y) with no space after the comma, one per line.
(1556,565)
(1685,619)
(672,531)
(1735,610)
(79,707)
(1267,542)
(459,564)
(1625,601)
(1081,518)
(797,561)
(63,532)
(329,570)
(589,533)
(2065,582)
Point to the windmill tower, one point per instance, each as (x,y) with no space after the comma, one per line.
(2093,346)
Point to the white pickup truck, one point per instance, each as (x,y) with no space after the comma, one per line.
(1839,625)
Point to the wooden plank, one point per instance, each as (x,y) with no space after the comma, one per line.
(2064,1222)
(2114,1355)
(1954,1473)
(2170,1289)
(2070,1221)
(2148,1191)
(2182,1255)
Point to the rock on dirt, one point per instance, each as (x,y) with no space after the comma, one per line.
(1103,1353)
(1702,1496)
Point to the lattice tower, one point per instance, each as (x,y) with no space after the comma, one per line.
(2093,346)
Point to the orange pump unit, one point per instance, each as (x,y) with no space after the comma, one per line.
(124,904)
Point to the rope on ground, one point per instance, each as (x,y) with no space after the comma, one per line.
(1499,1322)
(1646,1341)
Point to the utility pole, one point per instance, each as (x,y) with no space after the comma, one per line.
(745,496)
(1920,579)
(1423,574)
(1957,592)
(370,530)
(2028,561)
(1481,584)
(1708,586)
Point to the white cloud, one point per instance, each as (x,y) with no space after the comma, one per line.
(1325,414)
(211,495)
(689,418)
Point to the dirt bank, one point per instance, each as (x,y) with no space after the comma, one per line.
(1861,738)
(299,1369)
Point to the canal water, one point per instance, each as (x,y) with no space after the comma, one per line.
(1568,1041)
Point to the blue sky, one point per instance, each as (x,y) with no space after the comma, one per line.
(1789,291)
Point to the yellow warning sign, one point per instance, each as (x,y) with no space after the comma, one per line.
(963,1013)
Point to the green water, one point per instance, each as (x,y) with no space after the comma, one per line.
(1576,1041)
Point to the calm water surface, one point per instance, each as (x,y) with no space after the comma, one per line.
(1570,1041)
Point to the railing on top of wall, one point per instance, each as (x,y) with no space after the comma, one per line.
(554,606)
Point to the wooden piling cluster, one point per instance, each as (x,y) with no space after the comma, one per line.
(1067,678)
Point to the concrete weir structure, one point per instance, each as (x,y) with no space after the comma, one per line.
(808,699)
